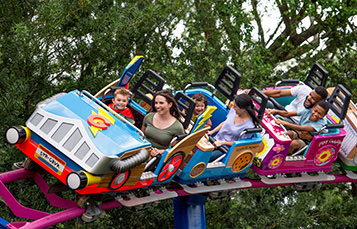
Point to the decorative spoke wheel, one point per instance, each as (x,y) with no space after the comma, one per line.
(170,167)
(324,156)
(118,180)
(242,162)
(276,161)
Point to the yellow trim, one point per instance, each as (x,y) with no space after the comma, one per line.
(92,179)
(135,59)
(336,119)
(28,133)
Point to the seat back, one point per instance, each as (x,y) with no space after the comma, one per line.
(317,76)
(129,71)
(339,101)
(228,83)
(260,100)
(186,106)
(203,118)
(147,85)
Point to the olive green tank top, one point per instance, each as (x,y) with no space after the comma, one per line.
(161,138)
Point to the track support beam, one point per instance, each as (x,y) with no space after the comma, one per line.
(189,211)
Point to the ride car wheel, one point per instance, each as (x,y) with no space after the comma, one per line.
(171,166)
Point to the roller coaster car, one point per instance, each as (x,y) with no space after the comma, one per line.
(239,157)
(319,155)
(90,148)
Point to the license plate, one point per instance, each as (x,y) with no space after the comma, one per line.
(49,159)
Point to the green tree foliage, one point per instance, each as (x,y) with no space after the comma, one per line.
(52,46)
(332,206)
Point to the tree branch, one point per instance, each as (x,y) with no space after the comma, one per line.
(301,14)
(163,42)
(283,8)
(71,64)
(273,34)
(259,22)
(300,50)
(298,39)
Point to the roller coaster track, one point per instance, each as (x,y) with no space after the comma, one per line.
(72,210)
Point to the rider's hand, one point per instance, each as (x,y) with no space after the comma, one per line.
(280,122)
(218,143)
(270,111)
(154,152)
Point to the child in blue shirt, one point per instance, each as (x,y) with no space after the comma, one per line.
(311,121)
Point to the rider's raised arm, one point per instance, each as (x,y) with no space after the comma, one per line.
(277,93)
(281,112)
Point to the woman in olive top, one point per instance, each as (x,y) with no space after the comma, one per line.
(162,124)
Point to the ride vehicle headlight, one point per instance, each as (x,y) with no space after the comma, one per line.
(77,180)
(17,134)
(80,179)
